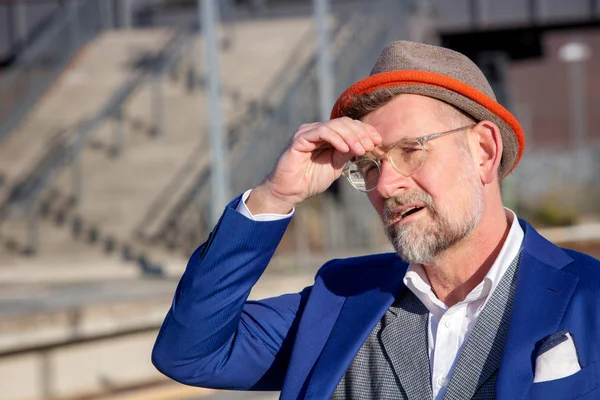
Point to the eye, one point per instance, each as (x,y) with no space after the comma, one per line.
(410,150)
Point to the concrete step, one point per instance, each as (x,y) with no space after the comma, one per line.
(81,90)
(61,256)
(118,191)
(259,50)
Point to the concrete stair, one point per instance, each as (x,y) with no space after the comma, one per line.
(119,190)
(100,68)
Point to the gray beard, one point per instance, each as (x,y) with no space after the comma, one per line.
(418,244)
(422,245)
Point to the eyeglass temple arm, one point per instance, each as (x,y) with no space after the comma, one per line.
(427,138)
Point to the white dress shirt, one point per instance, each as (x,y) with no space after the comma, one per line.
(448,328)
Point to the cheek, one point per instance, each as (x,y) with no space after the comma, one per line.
(440,180)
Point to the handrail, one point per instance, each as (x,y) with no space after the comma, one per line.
(67,147)
(248,122)
(36,33)
(259,139)
(63,152)
(255,155)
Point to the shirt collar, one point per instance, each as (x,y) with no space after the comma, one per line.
(416,280)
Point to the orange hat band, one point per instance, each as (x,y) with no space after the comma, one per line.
(415,78)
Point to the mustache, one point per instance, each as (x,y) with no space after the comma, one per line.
(415,197)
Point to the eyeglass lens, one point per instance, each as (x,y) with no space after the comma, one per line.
(364,173)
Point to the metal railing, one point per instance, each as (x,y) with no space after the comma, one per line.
(160,217)
(65,149)
(38,65)
(252,157)
(190,209)
(255,140)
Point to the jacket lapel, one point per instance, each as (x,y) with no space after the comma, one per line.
(542,294)
(322,312)
(360,313)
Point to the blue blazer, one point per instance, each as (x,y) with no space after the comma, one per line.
(302,343)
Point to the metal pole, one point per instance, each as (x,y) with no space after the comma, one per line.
(157,103)
(77,167)
(126,11)
(326,100)
(13,38)
(325,65)
(209,17)
(119,133)
(108,13)
(484,16)
(21,22)
(32,228)
(74,24)
(77,179)
(542,11)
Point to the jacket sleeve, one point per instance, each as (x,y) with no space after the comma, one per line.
(212,336)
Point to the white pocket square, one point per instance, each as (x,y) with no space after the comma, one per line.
(556,358)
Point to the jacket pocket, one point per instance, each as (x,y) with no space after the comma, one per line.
(570,387)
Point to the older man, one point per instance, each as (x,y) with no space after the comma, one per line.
(473,304)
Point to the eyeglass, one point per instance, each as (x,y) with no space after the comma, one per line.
(407,157)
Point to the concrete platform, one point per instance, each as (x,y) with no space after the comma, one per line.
(66,341)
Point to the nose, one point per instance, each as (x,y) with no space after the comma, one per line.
(390,181)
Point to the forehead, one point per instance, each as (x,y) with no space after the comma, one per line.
(406,116)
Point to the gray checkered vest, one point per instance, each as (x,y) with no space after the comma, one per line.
(393,363)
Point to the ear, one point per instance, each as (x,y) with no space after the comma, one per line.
(486,148)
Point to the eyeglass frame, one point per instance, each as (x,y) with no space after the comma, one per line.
(421,140)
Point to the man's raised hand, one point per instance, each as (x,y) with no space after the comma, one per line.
(314,159)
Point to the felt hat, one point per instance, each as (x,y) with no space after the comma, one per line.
(445,75)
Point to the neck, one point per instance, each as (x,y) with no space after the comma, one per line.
(458,270)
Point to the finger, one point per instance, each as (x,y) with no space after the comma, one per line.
(367,133)
(315,138)
(351,135)
(360,130)
(306,127)
(373,133)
